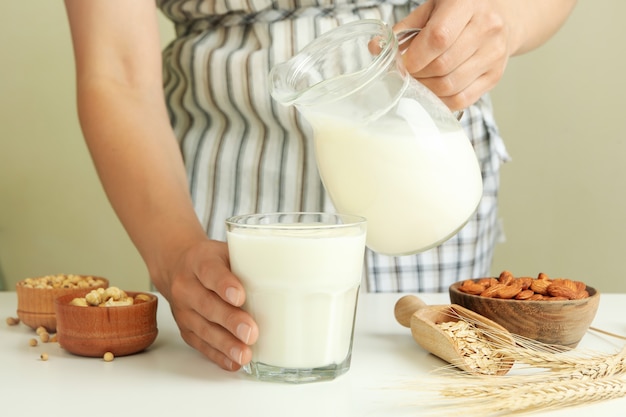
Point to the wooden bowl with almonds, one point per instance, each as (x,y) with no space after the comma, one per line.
(555,311)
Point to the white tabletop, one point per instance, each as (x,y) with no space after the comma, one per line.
(172,378)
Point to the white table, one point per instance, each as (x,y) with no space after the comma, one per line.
(170,378)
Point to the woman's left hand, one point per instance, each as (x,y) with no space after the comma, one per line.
(462,50)
(464,45)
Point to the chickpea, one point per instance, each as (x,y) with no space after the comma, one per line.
(13,321)
(108,357)
(80,302)
(45,337)
(114,293)
(44,356)
(112,303)
(109,297)
(61,281)
(141,298)
(33,342)
(95,297)
(40,330)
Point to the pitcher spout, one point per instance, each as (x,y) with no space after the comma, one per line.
(336,65)
(281,89)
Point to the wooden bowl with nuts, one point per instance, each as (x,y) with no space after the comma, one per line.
(556,311)
(110,321)
(35,296)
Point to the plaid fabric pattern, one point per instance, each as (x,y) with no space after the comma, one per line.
(469,253)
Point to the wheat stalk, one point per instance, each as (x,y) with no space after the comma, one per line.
(551,377)
(534,355)
(522,397)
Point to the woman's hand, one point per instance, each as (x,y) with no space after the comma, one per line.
(464,46)
(205,299)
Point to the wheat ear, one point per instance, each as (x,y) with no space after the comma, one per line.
(525,397)
(552,377)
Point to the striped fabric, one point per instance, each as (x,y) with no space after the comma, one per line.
(245,153)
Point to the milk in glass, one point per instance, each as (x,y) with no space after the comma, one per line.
(301,284)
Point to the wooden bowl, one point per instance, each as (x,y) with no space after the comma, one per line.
(35,306)
(93,331)
(561,323)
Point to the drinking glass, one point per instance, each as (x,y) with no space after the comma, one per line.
(301,273)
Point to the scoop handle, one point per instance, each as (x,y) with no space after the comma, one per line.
(405,308)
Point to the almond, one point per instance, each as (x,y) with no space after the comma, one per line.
(471,287)
(582,294)
(566,282)
(581,287)
(543,276)
(524,294)
(506,278)
(493,290)
(540,286)
(509,291)
(487,282)
(525,281)
(561,290)
(507,286)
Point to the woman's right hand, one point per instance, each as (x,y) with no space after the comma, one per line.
(205,299)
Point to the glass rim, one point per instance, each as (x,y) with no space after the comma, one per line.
(350,220)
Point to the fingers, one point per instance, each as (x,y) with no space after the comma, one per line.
(226,351)
(443,27)
(214,309)
(219,330)
(441,61)
(468,96)
(461,51)
(220,297)
(465,84)
(216,275)
(206,298)
(212,353)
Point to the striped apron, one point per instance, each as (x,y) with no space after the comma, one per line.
(246,153)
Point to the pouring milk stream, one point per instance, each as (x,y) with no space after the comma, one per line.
(386,147)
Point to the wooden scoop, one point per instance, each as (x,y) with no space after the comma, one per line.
(412,312)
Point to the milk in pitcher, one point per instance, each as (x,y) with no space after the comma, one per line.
(414,183)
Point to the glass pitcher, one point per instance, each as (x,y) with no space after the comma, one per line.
(386,147)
